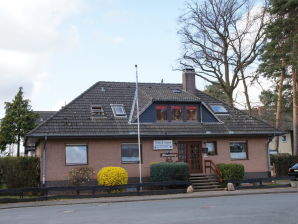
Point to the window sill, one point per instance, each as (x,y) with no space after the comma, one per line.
(238,159)
(130,163)
(76,164)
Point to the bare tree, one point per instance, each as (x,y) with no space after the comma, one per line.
(220,39)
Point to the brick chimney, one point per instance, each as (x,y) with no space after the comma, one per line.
(189,80)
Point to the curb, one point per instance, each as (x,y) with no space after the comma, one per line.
(147,198)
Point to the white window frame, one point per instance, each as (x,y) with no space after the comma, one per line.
(70,163)
(130,162)
(246,151)
(220,105)
(97,112)
(114,110)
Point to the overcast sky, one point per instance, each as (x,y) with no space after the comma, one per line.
(56,49)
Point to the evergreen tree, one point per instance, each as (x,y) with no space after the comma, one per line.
(19,119)
(216,91)
(280,54)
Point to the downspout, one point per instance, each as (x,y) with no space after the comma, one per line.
(44,161)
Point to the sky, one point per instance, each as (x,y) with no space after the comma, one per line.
(56,49)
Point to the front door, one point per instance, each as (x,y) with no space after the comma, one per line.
(191,153)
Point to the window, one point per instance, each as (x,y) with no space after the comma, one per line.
(283,138)
(192,113)
(218,108)
(118,110)
(97,110)
(176,113)
(177,90)
(238,150)
(130,153)
(161,112)
(212,148)
(76,154)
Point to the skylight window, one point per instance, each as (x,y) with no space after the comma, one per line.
(218,108)
(97,110)
(176,90)
(118,110)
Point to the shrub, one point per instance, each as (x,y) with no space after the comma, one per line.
(112,176)
(81,175)
(282,162)
(18,172)
(231,171)
(169,171)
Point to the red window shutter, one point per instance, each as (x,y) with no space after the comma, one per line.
(161,107)
(176,107)
(191,107)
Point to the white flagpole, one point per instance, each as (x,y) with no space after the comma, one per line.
(138,120)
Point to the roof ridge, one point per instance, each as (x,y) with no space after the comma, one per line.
(63,108)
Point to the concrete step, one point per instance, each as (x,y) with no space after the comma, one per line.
(202,179)
(213,189)
(206,187)
(201,175)
(205,183)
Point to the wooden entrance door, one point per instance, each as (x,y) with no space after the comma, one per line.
(191,153)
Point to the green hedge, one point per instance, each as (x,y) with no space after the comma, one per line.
(231,171)
(282,162)
(18,172)
(169,171)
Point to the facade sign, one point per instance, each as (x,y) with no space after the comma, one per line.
(162,144)
(169,154)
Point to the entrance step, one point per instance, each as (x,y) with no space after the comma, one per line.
(205,182)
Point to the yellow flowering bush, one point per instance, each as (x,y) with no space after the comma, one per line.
(112,176)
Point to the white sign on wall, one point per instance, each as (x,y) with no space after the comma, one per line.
(162,144)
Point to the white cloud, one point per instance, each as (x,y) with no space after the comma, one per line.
(101,37)
(31,32)
(117,16)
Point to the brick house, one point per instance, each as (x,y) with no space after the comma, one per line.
(99,128)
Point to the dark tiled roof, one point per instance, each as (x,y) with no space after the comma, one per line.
(74,120)
(44,115)
(269,116)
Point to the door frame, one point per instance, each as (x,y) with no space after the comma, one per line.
(184,154)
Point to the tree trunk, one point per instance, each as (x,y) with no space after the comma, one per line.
(246,91)
(230,97)
(278,107)
(295,120)
(18,149)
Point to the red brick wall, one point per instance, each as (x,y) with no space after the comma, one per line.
(103,153)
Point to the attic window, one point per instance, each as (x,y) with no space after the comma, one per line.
(218,108)
(97,110)
(176,90)
(118,110)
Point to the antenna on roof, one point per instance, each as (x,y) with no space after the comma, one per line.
(138,120)
(161,81)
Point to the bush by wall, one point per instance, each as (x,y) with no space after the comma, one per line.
(282,162)
(169,171)
(81,175)
(231,171)
(18,172)
(112,176)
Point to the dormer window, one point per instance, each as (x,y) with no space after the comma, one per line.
(118,110)
(97,111)
(161,112)
(191,113)
(176,112)
(218,108)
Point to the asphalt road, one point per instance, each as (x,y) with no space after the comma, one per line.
(250,209)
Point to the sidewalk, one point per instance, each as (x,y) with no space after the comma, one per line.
(148,197)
